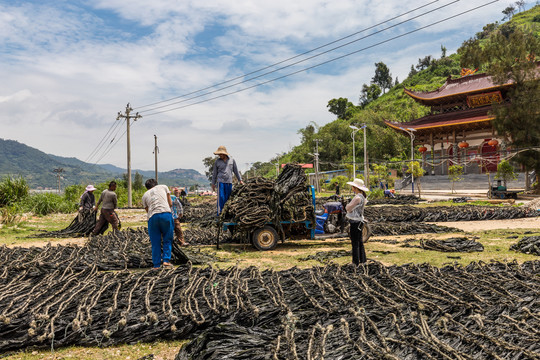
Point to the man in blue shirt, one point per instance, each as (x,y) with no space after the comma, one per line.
(222,176)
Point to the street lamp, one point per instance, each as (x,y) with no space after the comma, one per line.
(355,129)
(411,131)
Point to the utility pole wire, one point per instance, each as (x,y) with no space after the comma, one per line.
(325,62)
(288,59)
(299,61)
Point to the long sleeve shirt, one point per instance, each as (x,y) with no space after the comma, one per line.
(88,201)
(223,171)
(355,208)
(177,209)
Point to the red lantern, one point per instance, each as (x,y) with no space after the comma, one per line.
(463,144)
(493,142)
(422,149)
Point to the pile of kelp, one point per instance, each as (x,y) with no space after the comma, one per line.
(81,226)
(260,200)
(478,311)
(408,228)
(528,245)
(127,249)
(445,213)
(453,244)
(399,199)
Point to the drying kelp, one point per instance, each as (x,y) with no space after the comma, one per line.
(445,213)
(81,226)
(479,311)
(370,311)
(115,251)
(259,201)
(397,200)
(454,244)
(200,212)
(407,228)
(528,245)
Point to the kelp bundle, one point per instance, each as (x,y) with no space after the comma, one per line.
(261,200)
(454,244)
(528,245)
(372,311)
(445,213)
(127,249)
(81,226)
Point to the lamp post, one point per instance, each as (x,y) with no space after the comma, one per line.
(411,133)
(355,129)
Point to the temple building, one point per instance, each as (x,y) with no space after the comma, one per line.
(459,128)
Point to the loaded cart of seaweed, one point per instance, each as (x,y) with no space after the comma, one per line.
(265,211)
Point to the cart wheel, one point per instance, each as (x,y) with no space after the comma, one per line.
(265,238)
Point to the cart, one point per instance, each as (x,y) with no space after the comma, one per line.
(266,237)
(500,192)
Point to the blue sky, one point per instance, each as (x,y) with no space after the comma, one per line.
(68,68)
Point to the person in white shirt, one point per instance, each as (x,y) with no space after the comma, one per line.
(157,203)
(355,215)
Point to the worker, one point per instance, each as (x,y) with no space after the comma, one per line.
(177,213)
(107,216)
(88,201)
(222,176)
(355,215)
(157,202)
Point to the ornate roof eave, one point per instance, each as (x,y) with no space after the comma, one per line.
(444,125)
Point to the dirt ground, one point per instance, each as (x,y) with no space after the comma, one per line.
(473,226)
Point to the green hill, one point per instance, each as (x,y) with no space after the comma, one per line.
(383,144)
(37,167)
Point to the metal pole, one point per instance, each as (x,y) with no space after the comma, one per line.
(412,161)
(366,168)
(354,156)
(155,156)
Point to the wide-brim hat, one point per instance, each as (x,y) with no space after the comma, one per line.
(90,188)
(359,184)
(221,150)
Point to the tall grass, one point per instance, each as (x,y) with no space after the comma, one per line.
(12,190)
(47,203)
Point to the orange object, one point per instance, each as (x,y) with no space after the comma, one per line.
(493,142)
(463,144)
(422,149)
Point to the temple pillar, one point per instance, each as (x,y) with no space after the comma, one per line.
(432,143)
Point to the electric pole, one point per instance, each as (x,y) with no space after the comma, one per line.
(128,118)
(318,187)
(156,150)
(58,172)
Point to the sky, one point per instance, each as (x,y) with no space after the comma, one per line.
(67,68)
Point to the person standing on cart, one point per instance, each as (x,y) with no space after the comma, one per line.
(355,215)
(222,176)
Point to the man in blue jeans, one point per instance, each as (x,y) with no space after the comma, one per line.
(222,176)
(157,203)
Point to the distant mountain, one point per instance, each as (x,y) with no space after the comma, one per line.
(38,168)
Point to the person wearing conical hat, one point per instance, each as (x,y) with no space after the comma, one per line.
(88,201)
(355,215)
(222,176)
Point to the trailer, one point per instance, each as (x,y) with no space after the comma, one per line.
(266,237)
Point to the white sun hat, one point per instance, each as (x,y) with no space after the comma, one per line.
(359,184)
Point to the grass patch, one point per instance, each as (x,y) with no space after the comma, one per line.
(161,349)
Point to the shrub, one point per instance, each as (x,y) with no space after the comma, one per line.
(12,190)
(47,203)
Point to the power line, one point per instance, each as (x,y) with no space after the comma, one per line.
(300,61)
(291,58)
(111,144)
(99,145)
(325,62)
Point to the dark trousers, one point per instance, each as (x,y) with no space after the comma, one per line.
(358,251)
(106,216)
(178,231)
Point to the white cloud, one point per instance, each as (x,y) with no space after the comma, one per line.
(67,69)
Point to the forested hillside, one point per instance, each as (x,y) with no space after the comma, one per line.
(384,98)
(38,169)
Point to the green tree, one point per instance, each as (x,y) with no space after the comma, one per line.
(380,174)
(341,107)
(382,76)
(138,181)
(505,172)
(454,173)
(369,93)
(509,57)
(208,163)
(509,12)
